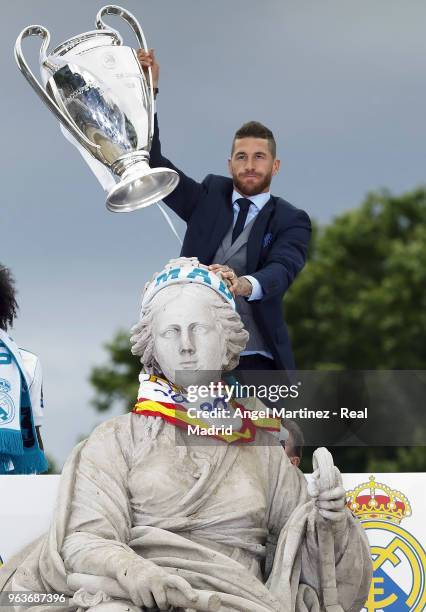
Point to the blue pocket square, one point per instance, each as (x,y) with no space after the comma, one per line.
(267,239)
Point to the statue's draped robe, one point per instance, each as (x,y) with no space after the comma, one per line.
(206,512)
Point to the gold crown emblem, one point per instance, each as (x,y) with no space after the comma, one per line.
(375,500)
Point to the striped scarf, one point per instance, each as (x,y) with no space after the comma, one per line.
(19,449)
(157,397)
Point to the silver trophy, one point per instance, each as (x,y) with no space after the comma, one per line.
(97,89)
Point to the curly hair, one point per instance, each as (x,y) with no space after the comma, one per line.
(227,318)
(8,303)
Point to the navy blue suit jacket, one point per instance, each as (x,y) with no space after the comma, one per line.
(276,248)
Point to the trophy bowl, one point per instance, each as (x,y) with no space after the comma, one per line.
(96,88)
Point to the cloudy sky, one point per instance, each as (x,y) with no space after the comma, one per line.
(341,84)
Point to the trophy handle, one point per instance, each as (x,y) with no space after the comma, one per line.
(37,30)
(113,9)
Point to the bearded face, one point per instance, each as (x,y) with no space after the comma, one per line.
(252,166)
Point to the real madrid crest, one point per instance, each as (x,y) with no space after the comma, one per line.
(399,560)
(7,406)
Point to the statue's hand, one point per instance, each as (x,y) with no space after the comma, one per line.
(147,583)
(330,502)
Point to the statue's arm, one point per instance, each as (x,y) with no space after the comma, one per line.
(287,492)
(295,521)
(336,550)
(98,528)
(348,558)
(99,518)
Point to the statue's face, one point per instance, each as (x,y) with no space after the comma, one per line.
(187,338)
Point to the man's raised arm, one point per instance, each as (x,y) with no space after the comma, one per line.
(185,197)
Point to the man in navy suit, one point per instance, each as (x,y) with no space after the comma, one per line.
(256,240)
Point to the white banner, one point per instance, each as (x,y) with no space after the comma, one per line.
(392,508)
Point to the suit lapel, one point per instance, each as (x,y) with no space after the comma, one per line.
(254,244)
(224,218)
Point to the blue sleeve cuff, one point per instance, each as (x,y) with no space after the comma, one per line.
(257,291)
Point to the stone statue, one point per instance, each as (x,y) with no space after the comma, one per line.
(145,520)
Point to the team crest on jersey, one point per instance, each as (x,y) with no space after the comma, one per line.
(399,560)
(7,406)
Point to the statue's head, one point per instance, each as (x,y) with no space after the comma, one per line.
(189,330)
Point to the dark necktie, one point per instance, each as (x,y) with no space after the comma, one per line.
(244,205)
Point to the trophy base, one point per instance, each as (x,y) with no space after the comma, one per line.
(141,187)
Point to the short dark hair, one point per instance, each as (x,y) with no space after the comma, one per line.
(297,437)
(254,129)
(8,303)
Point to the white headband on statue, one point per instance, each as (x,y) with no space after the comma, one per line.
(185,270)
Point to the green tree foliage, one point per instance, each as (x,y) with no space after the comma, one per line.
(360,303)
(411,459)
(118,380)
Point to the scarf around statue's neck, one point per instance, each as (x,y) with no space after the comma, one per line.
(19,449)
(157,397)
